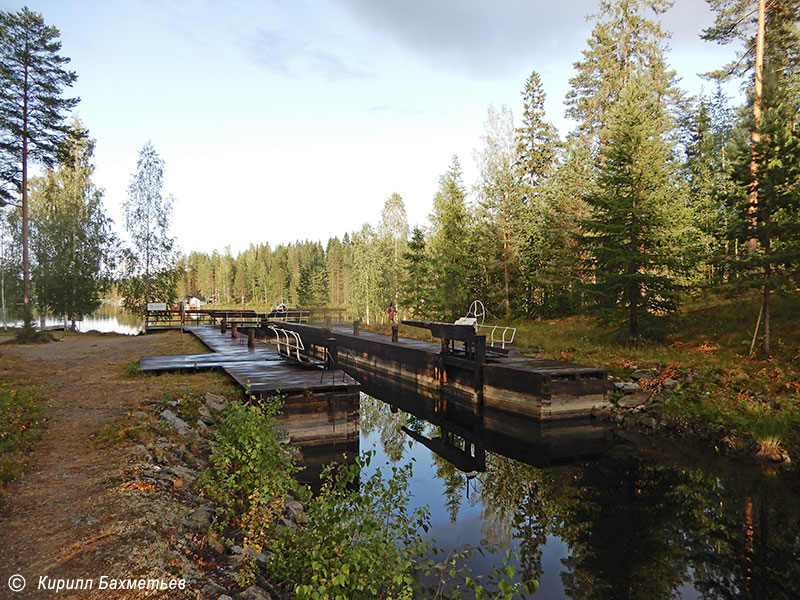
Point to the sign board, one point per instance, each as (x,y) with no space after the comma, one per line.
(156,306)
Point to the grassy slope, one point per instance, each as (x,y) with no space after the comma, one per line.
(710,341)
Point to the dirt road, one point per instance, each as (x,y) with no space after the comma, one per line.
(70,515)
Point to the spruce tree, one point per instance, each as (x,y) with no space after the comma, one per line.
(635,215)
(451,251)
(537,140)
(709,142)
(416,286)
(32,111)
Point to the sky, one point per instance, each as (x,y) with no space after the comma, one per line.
(285,120)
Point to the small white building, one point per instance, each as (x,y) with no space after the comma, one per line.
(194,301)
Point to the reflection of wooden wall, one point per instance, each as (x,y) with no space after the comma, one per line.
(321,418)
(314,458)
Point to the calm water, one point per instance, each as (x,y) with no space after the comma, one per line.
(106,319)
(593,515)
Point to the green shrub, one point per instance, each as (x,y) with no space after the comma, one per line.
(21,412)
(249,472)
(358,540)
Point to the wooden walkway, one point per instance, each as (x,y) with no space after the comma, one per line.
(259,370)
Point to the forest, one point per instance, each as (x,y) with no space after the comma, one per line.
(654,198)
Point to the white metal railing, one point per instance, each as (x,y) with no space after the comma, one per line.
(498,334)
(289,343)
(495,334)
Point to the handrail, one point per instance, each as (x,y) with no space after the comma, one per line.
(288,346)
(507,336)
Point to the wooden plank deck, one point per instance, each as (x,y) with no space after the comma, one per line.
(258,370)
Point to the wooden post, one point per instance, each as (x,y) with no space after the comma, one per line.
(251,338)
(395,334)
(234,331)
(333,353)
(356,327)
(480,358)
(224,325)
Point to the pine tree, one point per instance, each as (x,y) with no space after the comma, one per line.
(32,109)
(766,169)
(71,234)
(149,274)
(553,260)
(636,218)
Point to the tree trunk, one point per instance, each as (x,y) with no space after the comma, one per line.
(26,264)
(756,133)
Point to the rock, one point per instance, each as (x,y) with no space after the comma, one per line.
(254,593)
(224,597)
(294,509)
(647,374)
(283,436)
(669,384)
(140,414)
(237,550)
(178,423)
(649,422)
(202,428)
(215,544)
(262,558)
(174,403)
(634,400)
(214,402)
(626,387)
(201,517)
(212,590)
(205,415)
(182,472)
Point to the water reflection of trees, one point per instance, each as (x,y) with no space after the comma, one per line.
(636,526)
(636,529)
(377,417)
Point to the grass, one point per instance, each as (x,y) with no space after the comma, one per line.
(21,412)
(708,346)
